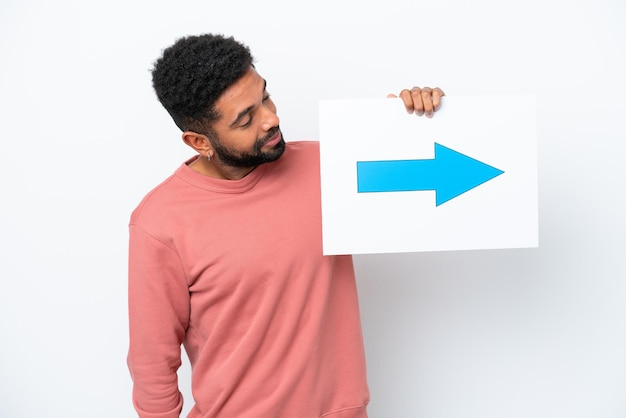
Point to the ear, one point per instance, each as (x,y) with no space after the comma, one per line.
(200,143)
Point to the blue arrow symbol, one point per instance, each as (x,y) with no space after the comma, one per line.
(450,174)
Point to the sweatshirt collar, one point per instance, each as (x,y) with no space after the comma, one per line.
(202,181)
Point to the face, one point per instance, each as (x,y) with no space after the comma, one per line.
(247,132)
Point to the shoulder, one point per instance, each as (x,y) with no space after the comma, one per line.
(303,150)
(298,153)
(304,146)
(301,158)
(154,199)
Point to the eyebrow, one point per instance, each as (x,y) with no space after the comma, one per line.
(247,110)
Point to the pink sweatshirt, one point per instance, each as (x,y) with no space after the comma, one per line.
(234,271)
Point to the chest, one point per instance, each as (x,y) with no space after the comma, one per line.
(256,236)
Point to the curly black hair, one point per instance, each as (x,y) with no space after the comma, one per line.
(192,74)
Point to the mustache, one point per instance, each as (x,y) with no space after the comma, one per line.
(269,135)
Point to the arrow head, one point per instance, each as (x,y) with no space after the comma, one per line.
(459,173)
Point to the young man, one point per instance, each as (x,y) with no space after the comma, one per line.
(226,257)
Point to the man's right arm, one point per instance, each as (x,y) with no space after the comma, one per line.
(158,297)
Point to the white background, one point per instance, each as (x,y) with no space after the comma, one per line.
(485,334)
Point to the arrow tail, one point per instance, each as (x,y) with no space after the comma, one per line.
(395,176)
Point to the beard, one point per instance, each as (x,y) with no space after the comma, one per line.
(251,158)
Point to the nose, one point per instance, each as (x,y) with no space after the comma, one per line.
(270,120)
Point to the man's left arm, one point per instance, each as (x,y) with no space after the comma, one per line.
(421,100)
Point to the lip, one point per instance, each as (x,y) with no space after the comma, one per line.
(274,140)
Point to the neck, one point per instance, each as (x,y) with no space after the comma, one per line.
(219,170)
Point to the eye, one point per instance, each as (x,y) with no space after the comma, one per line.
(249,122)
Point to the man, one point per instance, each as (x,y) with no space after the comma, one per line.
(226,257)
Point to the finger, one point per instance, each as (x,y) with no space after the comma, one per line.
(418,105)
(392,96)
(427,101)
(407,98)
(437,95)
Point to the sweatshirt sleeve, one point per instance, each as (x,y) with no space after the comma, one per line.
(158,296)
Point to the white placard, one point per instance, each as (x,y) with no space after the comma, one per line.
(362,214)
